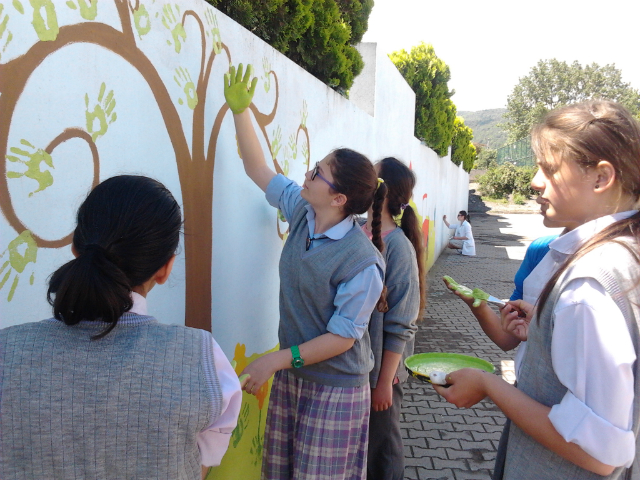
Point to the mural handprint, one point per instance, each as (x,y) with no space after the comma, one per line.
(266,67)
(5,35)
(293,146)
(304,114)
(102,116)
(33,161)
(214,31)
(183,79)
(276,144)
(243,421)
(45,26)
(88,11)
(142,20)
(18,261)
(171,21)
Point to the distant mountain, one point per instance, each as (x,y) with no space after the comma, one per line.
(484,125)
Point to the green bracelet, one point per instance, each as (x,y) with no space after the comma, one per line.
(297,361)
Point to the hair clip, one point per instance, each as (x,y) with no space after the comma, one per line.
(403,206)
(380,182)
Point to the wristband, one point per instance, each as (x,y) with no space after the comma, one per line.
(297,360)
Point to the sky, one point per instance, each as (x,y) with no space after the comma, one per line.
(490,44)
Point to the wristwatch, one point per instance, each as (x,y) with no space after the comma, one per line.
(297,361)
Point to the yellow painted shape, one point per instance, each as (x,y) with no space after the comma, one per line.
(243,460)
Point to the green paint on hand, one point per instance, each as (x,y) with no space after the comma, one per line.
(238,91)
(477,294)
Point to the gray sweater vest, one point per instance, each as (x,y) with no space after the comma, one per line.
(308,284)
(614,267)
(127,406)
(395,329)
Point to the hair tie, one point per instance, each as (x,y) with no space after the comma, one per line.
(380,182)
(403,206)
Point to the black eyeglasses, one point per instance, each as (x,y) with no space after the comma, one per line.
(316,173)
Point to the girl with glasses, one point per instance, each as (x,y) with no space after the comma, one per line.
(574,413)
(330,281)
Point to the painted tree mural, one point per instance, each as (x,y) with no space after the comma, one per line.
(195,150)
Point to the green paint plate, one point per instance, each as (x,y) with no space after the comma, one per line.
(421,365)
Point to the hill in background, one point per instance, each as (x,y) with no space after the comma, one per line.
(484,125)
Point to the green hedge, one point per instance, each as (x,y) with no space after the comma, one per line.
(504,180)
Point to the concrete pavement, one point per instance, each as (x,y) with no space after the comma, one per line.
(441,441)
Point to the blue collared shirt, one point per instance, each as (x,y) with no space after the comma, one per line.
(355,299)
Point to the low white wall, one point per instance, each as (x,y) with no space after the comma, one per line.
(88,92)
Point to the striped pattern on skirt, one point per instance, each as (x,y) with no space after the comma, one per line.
(315,431)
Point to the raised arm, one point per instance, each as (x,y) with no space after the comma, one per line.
(238,92)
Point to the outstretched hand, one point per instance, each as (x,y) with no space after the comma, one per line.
(238,91)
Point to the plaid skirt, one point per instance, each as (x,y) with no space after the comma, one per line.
(315,431)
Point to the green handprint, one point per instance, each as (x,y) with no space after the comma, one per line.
(102,113)
(305,153)
(88,12)
(287,156)
(3,30)
(171,22)
(256,448)
(267,78)
(293,145)
(182,77)
(303,120)
(276,145)
(18,6)
(45,26)
(35,158)
(237,91)
(18,261)
(214,33)
(243,421)
(142,21)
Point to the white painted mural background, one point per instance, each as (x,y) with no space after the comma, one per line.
(104,101)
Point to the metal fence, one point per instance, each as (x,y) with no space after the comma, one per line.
(517,153)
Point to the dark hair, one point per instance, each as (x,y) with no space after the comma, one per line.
(466,216)
(128,227)
(354,177)
(587,133)
(400,182)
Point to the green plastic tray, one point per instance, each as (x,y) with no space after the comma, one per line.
(421,365)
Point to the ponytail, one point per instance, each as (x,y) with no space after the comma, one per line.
(400,182)
(376,238)
(128,228)
(411,228)
(90,287)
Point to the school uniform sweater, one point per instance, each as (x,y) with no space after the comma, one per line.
(615,269)
(129,405)
(395,329)
(309,281)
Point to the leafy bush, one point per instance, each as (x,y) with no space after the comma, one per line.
(428,76)
(319,35)
(504,180)
(462,150)
(519,199)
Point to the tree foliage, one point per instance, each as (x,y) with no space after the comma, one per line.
(428,76)
(319,35)
(487,158)
(462,149)
(553,83)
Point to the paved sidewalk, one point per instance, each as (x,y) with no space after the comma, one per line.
(441,441)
